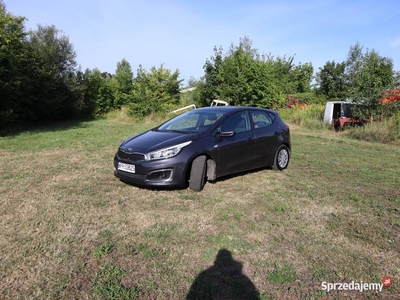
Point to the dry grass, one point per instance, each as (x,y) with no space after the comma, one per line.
(70,230)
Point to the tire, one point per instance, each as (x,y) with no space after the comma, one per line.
(282,157)
(198,173)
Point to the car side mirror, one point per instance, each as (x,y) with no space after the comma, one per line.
(227,133)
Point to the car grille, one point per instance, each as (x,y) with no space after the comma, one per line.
(138,176)
(131,156)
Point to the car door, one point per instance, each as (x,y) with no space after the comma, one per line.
(236,153)
(266,140)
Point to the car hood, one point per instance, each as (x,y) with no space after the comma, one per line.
(154,140)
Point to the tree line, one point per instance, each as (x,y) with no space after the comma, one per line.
(365,78)
(40,79)
(242,76)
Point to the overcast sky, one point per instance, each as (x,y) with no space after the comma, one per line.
(181,34)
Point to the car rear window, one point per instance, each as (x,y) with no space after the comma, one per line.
(261,119)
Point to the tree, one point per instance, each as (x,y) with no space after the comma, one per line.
(105,97)
(91,82)
(368,75)
(55,50)
(122,83)
(332,81)
(363,78)
(211,82)
(54,65)
(12,55)
(302,76)
(153,91)
(239,72)
(38,76)
(247,80)
(281,70)
(244,77)
(37,72)
(353,65)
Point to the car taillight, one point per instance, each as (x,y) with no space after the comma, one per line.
(287,127)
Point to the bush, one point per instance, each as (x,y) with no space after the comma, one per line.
(310,116)
(387,131)
(311,98)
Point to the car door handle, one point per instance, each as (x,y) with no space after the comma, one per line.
(250,139)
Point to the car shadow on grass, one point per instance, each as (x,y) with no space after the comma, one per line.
(223,280)
(239,174)
(230,176)
(154,188)
(212,182)
(50,126)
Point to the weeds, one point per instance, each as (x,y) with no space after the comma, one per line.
(310,116)
(387,131)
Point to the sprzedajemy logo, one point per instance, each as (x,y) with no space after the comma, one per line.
(356,286)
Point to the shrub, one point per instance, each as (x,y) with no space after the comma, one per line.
(386,131)
(310,116)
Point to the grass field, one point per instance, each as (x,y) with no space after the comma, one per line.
(70,230)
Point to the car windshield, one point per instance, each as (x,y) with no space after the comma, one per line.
(192,121)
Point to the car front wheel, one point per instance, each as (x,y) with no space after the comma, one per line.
(198,173)
(282,157)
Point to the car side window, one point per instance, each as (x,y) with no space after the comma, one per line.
(211,118)
(238,122)
(261,119)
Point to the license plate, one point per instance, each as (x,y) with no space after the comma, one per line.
(126,167)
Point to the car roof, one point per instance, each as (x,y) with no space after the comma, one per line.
(230,108)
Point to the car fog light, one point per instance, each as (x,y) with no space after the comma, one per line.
(160,175)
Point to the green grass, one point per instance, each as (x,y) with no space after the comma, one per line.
(70,230)
(284,274)
(107,284)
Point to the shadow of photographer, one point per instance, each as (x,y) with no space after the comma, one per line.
(223,280)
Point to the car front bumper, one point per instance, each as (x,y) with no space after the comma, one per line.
(169,172)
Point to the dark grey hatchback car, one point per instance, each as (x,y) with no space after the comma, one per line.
(204,144)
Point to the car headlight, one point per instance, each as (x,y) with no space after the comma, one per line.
(166,152)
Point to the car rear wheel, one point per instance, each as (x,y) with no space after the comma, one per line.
(198,173)
(282,157)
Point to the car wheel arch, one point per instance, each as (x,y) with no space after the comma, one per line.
(288,146)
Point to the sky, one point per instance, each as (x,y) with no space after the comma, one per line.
(181,34)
